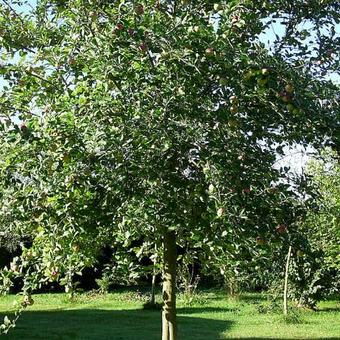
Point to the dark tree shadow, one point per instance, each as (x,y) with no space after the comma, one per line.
(114,325)
(194,310)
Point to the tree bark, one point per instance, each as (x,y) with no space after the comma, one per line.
(285,291)
(153,282)
(169,325)
(153,288)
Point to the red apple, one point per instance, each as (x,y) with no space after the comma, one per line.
(209,52)
(235,20)
(281,229)
(119,27)
(139,9)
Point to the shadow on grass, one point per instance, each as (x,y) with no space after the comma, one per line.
(114,325)
(199,310)
(254,298)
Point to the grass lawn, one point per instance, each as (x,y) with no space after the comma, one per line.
(211,315)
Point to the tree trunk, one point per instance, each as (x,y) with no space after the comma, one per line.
(285,291)
(153,288)
(169,325)
(153,282)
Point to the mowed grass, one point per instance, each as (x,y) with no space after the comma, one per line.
(211,315)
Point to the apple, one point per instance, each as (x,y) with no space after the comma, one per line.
(232,123)
(14,267)
(143,47)
(75,247)
(185,2)
(66,157)
(265,71)
(93,15)
(139,9)
(290,108)
(28,301)
(218,7)
(233,100)
(246,190)
(289,88)
(233,109)
(54,274)
(223,81)
(284,97)
(209,52)
(281,229)
(300,253)
(220,212)
(29,254)
(235,20)
(119,27)
(196,28)
(260,241)
(71,61)
(262,81)
(23,128)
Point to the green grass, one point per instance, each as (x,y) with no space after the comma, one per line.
(211,315)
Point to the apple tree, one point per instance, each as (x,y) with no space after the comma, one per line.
(158,121)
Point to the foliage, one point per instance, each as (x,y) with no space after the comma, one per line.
(140,118)
(322,225)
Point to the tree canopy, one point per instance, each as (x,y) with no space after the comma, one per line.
(154,120)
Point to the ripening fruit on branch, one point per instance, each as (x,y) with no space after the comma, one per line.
(246,190)
(119,27)
(14,267)
(139,9)
(289,88)
(23,128)
(54,274)
(235,20)
(265,71)
(28,301)
(143,47)
(218,7)
(75,247)
(233,100)
(93,15)
(262,81)
(220,212)
(300,253)
(232,123)
(223,81)
(285,97)
(260,241)
(290,108)
(233,109)
(281,229)
(209,52)
(211,188)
